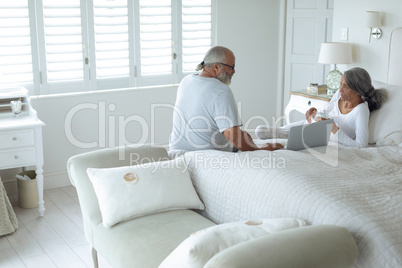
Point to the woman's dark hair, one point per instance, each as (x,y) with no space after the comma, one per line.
(359,80)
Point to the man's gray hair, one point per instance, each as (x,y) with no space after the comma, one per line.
(213,55)
(359,80)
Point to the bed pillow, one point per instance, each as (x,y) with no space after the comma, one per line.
(127,192)
(385,124)
(201,246)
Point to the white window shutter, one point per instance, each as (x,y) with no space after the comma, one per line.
(15,44)
(196,32)
(155,37)
(63,40)
(59,46)
(111,38)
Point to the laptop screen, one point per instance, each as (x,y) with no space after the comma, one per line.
(309,135)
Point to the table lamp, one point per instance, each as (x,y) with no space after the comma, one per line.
(335,53)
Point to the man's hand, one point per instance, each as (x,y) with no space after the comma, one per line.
(310,114)
(240,139)
(272,146)
(243,141)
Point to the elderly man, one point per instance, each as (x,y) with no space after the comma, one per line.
(205,114)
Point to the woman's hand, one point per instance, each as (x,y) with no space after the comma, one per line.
(335,128)
(318,118)
(310,114)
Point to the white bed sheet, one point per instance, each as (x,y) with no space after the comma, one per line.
(360,189)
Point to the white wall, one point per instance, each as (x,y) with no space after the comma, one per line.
(249,28)
(371,56)
(91,117)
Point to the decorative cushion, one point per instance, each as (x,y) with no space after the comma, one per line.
(201,246)
(385,125)
(315,246)
(132,191)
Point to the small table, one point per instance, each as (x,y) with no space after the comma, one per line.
(21,146)
(21,142)
(301,101)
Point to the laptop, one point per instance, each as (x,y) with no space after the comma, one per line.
(309,135)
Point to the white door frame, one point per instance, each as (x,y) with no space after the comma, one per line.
(302,45)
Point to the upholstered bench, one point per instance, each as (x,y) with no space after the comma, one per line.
(158,235)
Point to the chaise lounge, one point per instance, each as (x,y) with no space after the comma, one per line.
(147,240)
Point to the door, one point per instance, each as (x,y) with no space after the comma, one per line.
(308,24)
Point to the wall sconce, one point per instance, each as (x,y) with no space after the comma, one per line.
(373,21)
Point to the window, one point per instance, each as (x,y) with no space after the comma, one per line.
(111,38)
(56,46)
(156,37)
(62,39)
(196,32)
(15,44)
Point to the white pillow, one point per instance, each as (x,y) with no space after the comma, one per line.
(201,246)
(385,125)
(132,191)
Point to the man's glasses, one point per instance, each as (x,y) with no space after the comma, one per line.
(232,67)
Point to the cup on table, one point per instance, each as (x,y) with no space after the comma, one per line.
(319,116)
(16,107)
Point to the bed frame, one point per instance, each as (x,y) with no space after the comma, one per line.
(395,58)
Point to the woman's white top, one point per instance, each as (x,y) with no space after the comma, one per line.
(353,126)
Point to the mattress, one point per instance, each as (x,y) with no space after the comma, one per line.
(357,188)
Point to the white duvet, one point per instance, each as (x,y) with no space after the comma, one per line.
(360,189)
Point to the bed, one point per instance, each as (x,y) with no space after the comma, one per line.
(357,188)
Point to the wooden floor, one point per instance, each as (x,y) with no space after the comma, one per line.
(55,240)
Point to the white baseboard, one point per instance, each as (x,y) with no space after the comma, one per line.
(50,180)
(55,180)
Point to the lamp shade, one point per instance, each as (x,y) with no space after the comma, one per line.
(373,19)
(335,53)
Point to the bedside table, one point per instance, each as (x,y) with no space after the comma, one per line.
(301,101)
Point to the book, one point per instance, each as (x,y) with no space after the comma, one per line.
(317,89)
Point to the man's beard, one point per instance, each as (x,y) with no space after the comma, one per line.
(225,78)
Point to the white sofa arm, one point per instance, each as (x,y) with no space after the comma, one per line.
(321,246)
(105,158)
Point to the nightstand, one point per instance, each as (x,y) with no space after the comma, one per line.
(301,101)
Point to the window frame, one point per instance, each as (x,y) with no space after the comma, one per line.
(41,86)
